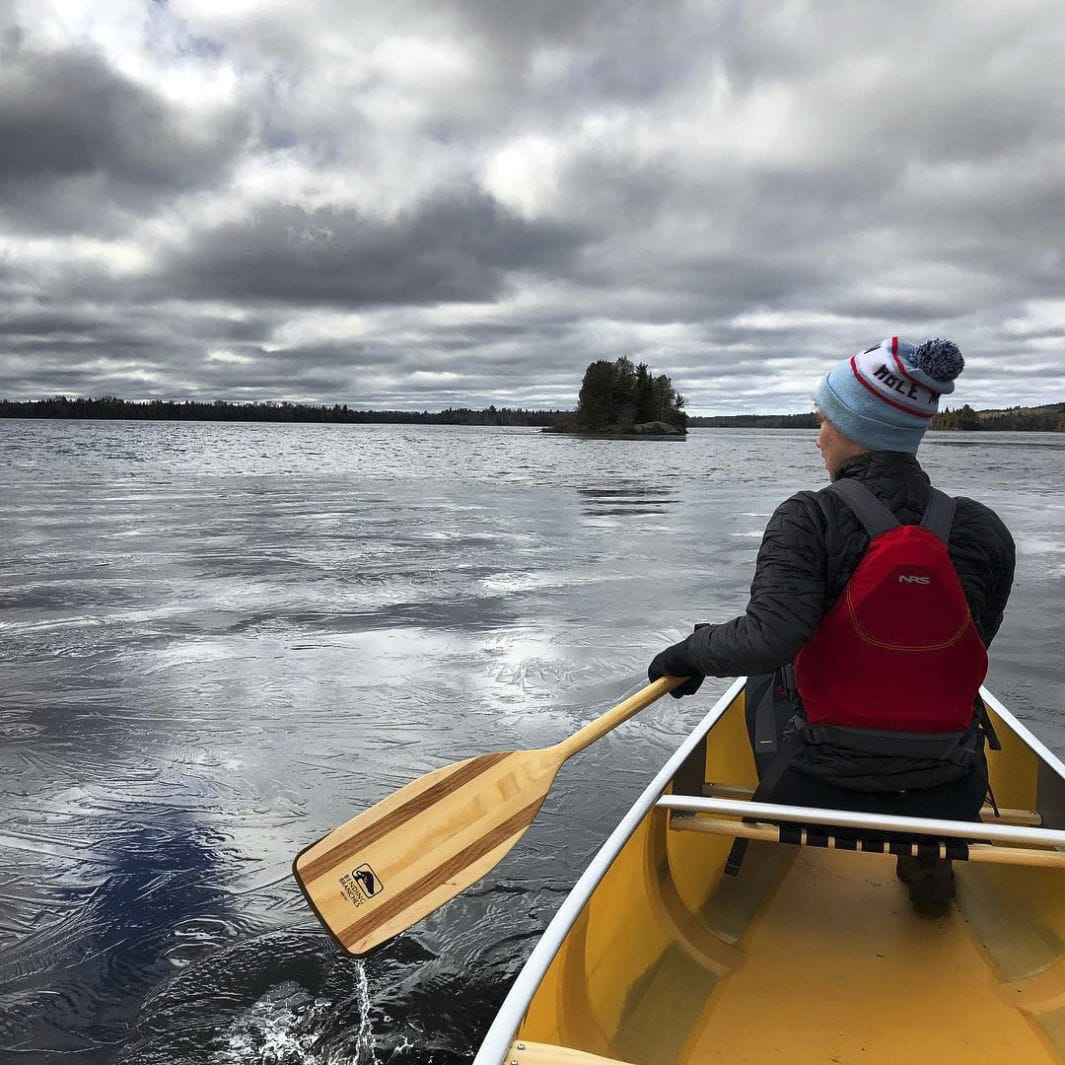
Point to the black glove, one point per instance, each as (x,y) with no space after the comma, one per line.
(675,662)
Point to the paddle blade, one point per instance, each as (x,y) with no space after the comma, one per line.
(386,869)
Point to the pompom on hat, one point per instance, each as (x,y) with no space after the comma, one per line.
(884,397)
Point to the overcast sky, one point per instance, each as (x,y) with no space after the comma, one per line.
(427,203)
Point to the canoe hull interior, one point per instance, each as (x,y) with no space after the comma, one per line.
(810,954)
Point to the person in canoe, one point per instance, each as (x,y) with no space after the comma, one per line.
(871,609)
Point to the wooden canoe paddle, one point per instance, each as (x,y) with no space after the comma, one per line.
(392,865)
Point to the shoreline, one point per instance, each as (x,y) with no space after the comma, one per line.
(614,436)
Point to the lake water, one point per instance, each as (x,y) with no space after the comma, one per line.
(218,642)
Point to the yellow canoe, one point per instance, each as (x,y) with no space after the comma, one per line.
(813,954)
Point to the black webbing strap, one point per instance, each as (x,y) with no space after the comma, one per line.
(986,727)
(765,723)
(735,856)
(873,843)
(787,751)
(874,516)
(789,684)
(984,720)
(939,515)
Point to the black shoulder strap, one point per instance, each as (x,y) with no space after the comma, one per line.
(939,514)
(866,507)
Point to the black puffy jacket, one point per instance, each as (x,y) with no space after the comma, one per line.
(812,545)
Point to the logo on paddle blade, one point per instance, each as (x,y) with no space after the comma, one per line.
(360,885)
(366,878)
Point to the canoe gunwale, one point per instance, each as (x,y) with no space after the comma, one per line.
(500,1035)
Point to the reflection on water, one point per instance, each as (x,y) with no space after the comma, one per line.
(1047,441)
(633,500)
(221,641)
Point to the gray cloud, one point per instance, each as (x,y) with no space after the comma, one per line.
(467,202)
(82,142)
(450,249)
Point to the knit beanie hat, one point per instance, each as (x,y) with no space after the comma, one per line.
(884,398)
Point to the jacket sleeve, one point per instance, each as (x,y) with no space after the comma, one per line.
(985,562)
(788,597)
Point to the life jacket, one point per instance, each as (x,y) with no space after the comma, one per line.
(898,652)
(885,696)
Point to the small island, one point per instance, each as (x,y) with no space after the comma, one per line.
(620,401)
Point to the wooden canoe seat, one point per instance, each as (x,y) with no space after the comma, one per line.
(524,1053)
(1010,843)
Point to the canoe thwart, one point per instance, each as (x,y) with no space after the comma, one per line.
(987,812)
(1012,835)
(525,1053)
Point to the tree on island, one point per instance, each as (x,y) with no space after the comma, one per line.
(616,396)
(965,418)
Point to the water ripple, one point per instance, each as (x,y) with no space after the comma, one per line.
(221,641)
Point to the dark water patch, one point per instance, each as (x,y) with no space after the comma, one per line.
(1028,441)
(632,511)
(631,501)
(289,998)
(466,614)
(102,934)
(646,492)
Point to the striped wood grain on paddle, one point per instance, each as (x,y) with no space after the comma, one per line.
(423,845)
(386,869)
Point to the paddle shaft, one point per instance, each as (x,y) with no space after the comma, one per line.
(598,728)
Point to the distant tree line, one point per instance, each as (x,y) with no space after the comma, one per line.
(1046,419)
(613,397)
(221,411)
(755,421)
(617,396)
